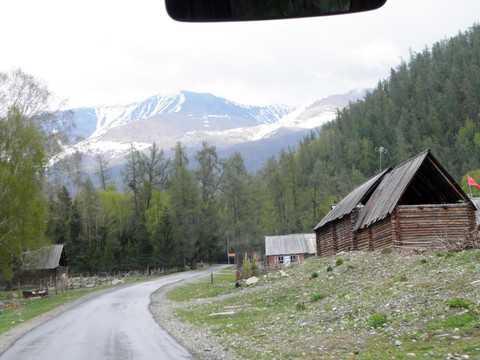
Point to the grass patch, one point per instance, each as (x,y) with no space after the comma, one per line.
(317,297)
(459,303)
(300,306)
(339,262)
(223,283)
(30,308)
(377,320)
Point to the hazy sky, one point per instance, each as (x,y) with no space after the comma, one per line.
(109,51)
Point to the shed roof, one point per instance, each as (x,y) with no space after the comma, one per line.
(420,180)
(290,244)
(349,202)
(45,258)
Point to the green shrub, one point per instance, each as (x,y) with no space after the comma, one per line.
(439,254)
(459,303)
(423,261)
(449,254)
(314,275)
(300,306)
(329,269)
(403,278)
(377,320)
(339,262)
(350,267)
(317,297)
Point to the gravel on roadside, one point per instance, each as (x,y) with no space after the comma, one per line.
(199,342)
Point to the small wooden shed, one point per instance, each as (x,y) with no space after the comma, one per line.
(282,250)
(417,204)
(45,267)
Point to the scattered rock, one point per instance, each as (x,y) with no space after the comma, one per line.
(398,343)
(283,273)
(251,281)
(411,354)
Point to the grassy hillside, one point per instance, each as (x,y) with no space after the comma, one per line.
(376,305)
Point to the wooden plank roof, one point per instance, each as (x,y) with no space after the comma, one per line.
(420,180)
(353,199)
(46,258)
(290,244)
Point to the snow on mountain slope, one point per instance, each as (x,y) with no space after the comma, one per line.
(193,118)
(306,117)
(94,122)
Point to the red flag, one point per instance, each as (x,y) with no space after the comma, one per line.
(472,182)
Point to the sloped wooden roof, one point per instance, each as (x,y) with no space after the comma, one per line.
(420,180)
(290,244)
(46,258)
(349,202)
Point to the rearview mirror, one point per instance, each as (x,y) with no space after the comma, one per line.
(242,10)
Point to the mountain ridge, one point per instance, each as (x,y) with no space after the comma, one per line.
(192,118)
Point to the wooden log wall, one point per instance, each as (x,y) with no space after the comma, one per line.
(344,232)
(335,237)
(382,236)
(426,225)
(362,240)
(324,241)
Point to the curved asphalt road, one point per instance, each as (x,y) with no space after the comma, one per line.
(116,325)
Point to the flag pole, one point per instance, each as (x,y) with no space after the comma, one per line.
(470,186)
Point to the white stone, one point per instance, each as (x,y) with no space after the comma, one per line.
(252,281)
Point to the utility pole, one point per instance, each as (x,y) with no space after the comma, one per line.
(381,150)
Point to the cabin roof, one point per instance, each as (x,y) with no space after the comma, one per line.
(290,244)
(420,180)
(349,202)
(45,258)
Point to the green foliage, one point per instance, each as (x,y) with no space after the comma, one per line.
(377,320)
(386,251)
(250,268)
(329,268)
(314,275)
(339,262)
(459,303)
(350,267)
(423,261)
(300,306)
(403,278)
(317,297)
(23,209)
(449,255)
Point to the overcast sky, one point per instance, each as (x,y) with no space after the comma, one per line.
(94,52)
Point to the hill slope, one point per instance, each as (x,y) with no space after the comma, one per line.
(376,305)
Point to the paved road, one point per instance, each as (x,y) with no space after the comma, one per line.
(116,325)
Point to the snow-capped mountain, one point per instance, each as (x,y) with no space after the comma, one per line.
(211,112)
(192,118)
